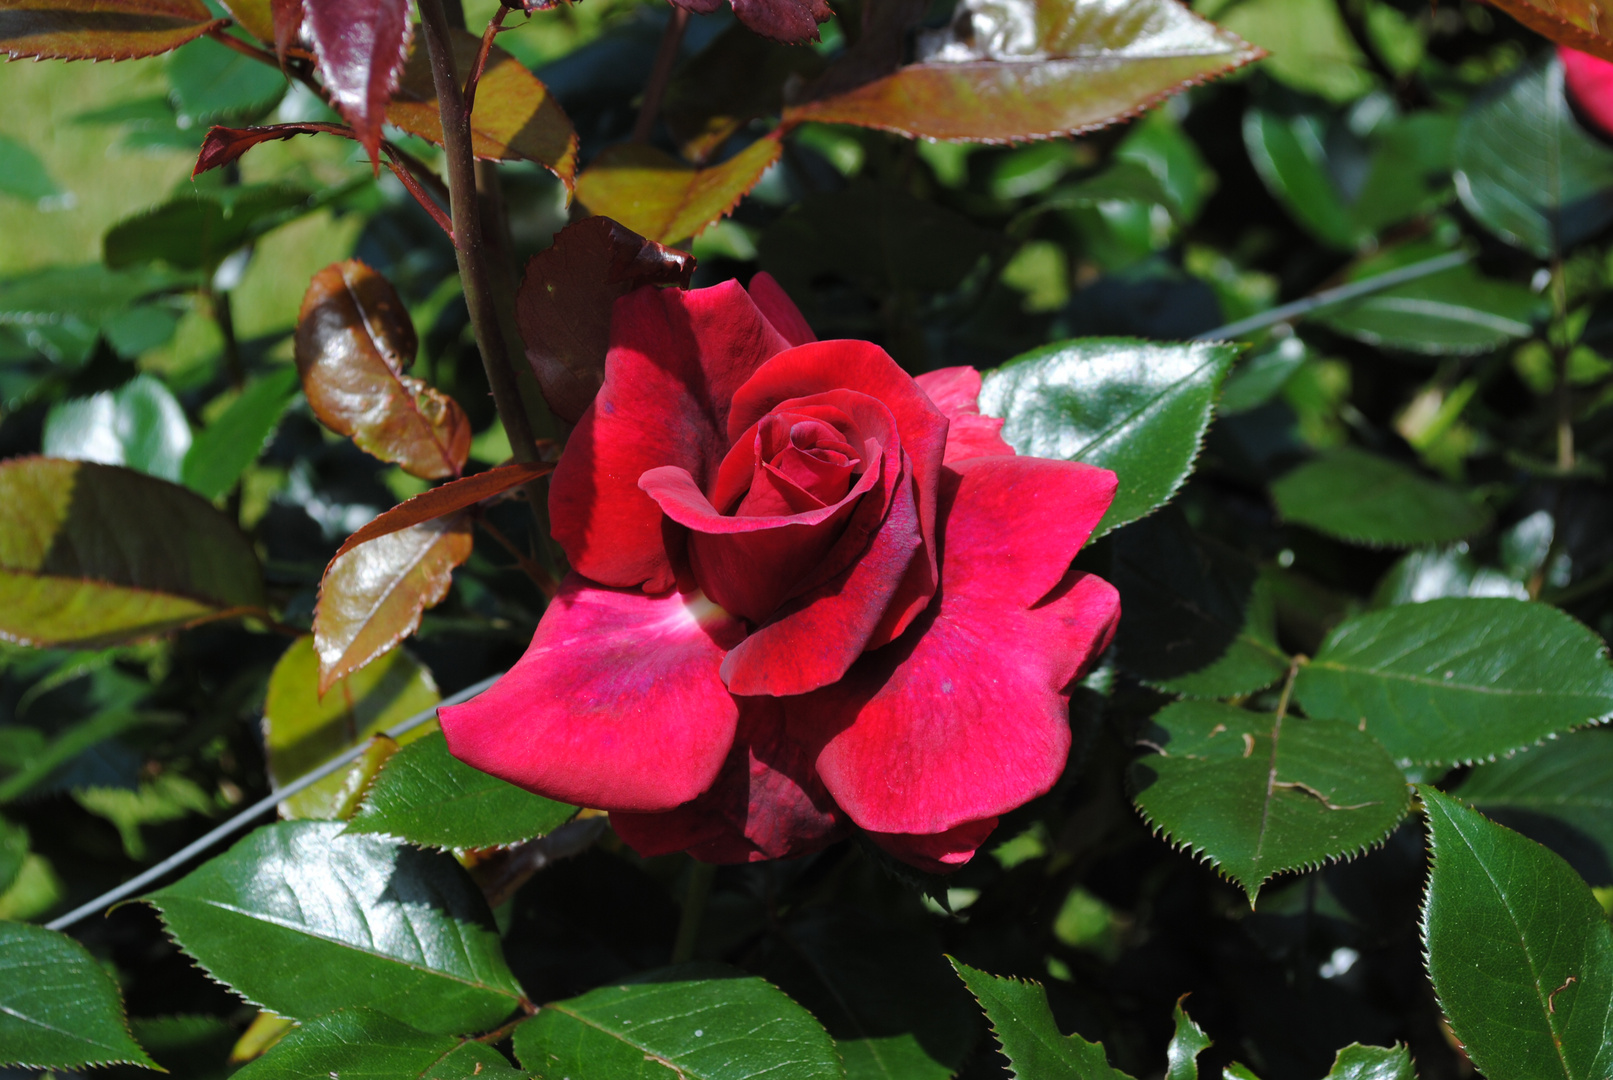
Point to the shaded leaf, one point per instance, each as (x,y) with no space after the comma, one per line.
(703,1022)
(1288,155)
(1579,24)
(22,174)
(230,444)
(354,341)
(1010,72)
(371,597)
(37,766)
(13,851)
(1366,499)
(256,17)
(197,230)
(361,46)
(361,1044)
(1187,1043)
(101,29)
(225,144)
(427,796)
(1135,407)
(211,81)
(1459,680)
(656,195)
(1502,905)
(1255,796)
(302,920)
(60,311)
(446,498)
(1357,1062)
(515,116)
(58,1007)
(738,77)
(1024,1026)
(565,301)
(788,21)
(303,729)
(94,554)
(140,425)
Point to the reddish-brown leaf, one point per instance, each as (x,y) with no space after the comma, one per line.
(1586,25)
(565,302)
(730,82)
(793,22)
(515,115)
(360,45)
(100,29)
(1013,70)
(667,200)
(354,340)
(224,145)
(287,24)
(446,499)
(372,596)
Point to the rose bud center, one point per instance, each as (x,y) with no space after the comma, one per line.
(802,463)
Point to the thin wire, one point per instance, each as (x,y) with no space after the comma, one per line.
(1337,295)
(268,802)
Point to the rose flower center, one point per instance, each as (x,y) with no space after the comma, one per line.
(802,463)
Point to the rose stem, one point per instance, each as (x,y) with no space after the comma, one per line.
(694,905)
(665,57)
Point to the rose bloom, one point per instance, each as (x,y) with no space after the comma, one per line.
(808,592)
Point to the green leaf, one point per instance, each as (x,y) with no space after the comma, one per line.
(94,554)
(1189,1041)
(59,311)
(13,851)
(1287,153)
(427,796)
(1459,680)
(701,1023)
(197,230)
(212,82)
(1024,1026)
(1135,407)
(1357,1062)
(1430,573)
(1311,47)
(361,1044)
(302,730)
(663,199)
(1365,499)
(58,1007)
(139,425)
(303,920)
(229,445)
(1256,796)
(22,174)
(1258,379)
(1520,952)
(1526,169)
(1253,661)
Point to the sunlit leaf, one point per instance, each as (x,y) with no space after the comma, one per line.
(197,230)
(230,444)
(13,851)
(1005,72)
(256,17)
(354,342)
(94,554)
(100,29)
(446,498)
(1023,1025)
(361,1044)
(140,425)
(211,81)
(61,310)
(1366,499)
(656,195)
(1187,1043)
(58,1007)
(1310,44)
(1255,797)
(360,45)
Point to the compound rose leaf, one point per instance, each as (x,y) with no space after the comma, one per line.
(100,29)
(94,554)
(1562,786)
(1005,72)
(361,45)
(447,498)
(1586,25)
(371,597)
(516,117)
(565,302)
(664,199)
(1362,498)
(58,1007)
(363,1044)
(354,340)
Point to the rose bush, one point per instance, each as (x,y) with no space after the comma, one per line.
(808,592)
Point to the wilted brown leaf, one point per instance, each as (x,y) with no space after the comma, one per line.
(100,29)
(667,200)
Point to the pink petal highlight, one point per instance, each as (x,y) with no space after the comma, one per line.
(1590,83)
(956,392)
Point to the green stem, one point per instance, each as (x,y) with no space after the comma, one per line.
(694,906)
(1561,351)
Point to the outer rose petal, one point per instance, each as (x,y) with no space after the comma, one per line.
(956,392)
(939,853)
(966,717)
(767,803)
(1590,83)
(615,705)
(675,361)
(780,310)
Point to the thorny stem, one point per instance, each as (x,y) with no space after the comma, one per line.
(694,905)
(406,175)
(660,73)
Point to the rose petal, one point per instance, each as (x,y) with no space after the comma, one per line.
(939,853)
(780,310)
(675,361)
(616,704)
(966,716)
(767,803)
(956,392)
(1590,83)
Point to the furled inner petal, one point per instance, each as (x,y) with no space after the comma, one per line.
(802,463)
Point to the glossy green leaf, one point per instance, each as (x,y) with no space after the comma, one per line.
(1366,499)
(212,82)
(61,310)
(1261,377)
(1357,1062)
(700,1023)
(1310,45)
(1255,796)
(139,425)
(1253,661)
(1430,573)
(94,554)
(1526,169)
(1459,680)
(361,1044)
(304,920)
(228,446)
(1024,1027)
(1135,407)
(58,1007)
(22,174)
(1287,152)
(427,796)
(13,851)
(197,230)
(303,729)
(661,198)
(1187,1043)
(1520,952)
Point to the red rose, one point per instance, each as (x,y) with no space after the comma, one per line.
(808,591)
(1590,84)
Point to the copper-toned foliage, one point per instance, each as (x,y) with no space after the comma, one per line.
(565,302)
(790,21)
(100,29)
(515,116)
(361,45)
(254,16)
(1011,70)
(446,499)
(224,145)
(653,193)
(1586,25)
(354,340)
(287,24)
(735,79)
(372,596)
